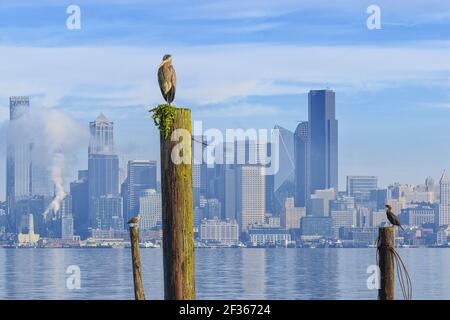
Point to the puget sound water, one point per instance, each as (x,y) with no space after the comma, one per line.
(247,273)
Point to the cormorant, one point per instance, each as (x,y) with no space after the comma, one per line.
(393,219)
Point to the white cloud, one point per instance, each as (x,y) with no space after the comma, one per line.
(124,76)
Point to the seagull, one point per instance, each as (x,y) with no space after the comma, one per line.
(135,220)
(167,79)
(393,219)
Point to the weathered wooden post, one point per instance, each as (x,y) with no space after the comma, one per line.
(386,242)
(136,259)
(177,207)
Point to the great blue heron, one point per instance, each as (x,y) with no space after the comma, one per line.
(167,78)
(393,219)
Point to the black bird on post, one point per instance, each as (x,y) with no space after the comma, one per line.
(393,219)
(167,79)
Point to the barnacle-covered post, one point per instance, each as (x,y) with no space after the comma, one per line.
(177,208)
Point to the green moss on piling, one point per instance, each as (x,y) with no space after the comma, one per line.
(163,116)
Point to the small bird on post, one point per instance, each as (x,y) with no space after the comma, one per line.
(393,219)
(167,79)
(134,220)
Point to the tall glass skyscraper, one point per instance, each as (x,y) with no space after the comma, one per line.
(283,184)
(141,175)
(323,140)
(18,161)
(301,164)
(103,168)
(443,217)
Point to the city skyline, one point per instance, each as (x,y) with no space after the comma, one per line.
(124,162)
(243,191)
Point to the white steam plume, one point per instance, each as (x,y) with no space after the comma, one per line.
(56,139)
(57,170)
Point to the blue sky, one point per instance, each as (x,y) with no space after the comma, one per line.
(243,64)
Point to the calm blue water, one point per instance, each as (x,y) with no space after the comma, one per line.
(220,273)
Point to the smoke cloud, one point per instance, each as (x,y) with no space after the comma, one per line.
(55,138)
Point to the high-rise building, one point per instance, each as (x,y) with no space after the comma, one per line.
(229,204)
(79,190)
(103,167)
(213,208)
(323,140)
(320,202)
(107,212)
(150,209)
(141,175)
(283,185)
(443,218)
(342,218)
(379,198)
(66,218)
(419,214)
(101,136)
(359,187)
(301,164)
(250,196)
(199,169)
(291,216)
(18,161)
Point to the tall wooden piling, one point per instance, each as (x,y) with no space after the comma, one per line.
(136,259)
(177,206)
(386,242)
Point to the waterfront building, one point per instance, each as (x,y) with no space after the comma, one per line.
(221,232)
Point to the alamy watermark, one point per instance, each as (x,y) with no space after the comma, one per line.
(238,146)
(374,20)
(73,282)
(73,21)
(373,281)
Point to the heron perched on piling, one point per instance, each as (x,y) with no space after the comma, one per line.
(167,79)
(393,219)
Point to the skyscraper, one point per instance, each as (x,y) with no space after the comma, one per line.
(323,140)
(150,209)
(320,202)
(18,161)
(103,170)
(79,190)
(65,213)
(229,204)
(444,205)
(359,187)
(141,175)
(283,185)
(108,212)
(250,196)
(301,164)
(101,136)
